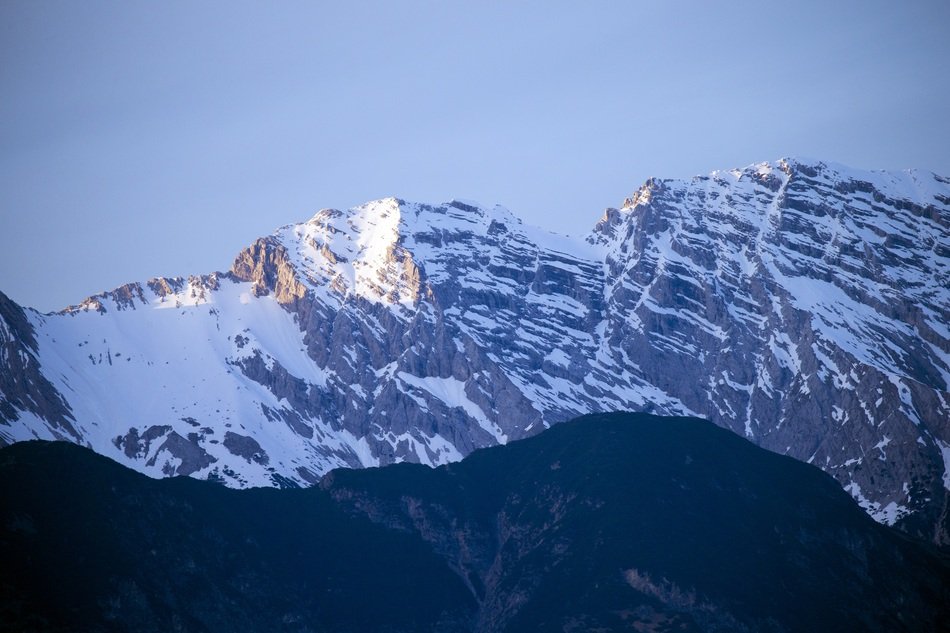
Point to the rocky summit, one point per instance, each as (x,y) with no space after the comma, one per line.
(801,304)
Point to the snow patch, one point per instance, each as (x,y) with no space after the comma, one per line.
(451,391)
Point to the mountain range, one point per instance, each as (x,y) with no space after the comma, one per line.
(614,522)
(800,304)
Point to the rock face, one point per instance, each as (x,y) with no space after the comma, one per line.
(800,304)
(617,522)
(26,393)
(804,306)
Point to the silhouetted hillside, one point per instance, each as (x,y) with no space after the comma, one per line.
(610,522)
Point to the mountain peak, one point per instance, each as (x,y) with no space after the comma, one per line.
(800,304)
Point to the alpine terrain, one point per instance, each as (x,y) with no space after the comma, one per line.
(800,304)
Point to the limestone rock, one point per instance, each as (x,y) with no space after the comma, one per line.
(800,304)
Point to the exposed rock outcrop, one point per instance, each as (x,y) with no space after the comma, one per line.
(800,304)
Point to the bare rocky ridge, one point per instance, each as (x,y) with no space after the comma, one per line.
(812,305)
(800,304)
(25,391)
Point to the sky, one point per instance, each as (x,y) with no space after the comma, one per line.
(140,139)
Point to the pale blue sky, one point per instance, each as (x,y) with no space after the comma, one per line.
(158,138)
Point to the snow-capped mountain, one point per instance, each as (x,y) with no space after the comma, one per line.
(801,304)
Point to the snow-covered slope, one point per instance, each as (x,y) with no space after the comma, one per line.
(801,304)
(804,305)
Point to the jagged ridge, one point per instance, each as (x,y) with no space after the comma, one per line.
(801,304)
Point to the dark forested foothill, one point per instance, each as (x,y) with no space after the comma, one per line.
(611,522)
